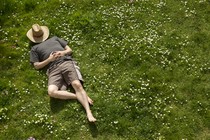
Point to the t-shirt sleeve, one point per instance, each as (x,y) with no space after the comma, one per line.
(62,42)
(34,56)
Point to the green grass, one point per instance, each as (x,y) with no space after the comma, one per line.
(146,65)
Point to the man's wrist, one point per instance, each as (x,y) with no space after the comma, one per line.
(48,60)
(65,52)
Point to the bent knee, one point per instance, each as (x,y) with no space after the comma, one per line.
(76,84)
(51,93)
(52,90)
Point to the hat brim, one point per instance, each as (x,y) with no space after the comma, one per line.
(39,39)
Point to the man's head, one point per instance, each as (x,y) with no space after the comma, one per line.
(38,34)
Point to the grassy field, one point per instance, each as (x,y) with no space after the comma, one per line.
(146,65)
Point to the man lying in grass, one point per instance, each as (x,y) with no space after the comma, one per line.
(55,55)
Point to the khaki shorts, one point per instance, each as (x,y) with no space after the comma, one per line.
(63,74)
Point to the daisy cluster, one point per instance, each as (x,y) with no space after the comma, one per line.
(3,114)
(42,120)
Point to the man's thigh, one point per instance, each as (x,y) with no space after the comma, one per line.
(55,78)
(69,72)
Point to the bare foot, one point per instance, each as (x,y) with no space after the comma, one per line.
(91,118)
(90,101)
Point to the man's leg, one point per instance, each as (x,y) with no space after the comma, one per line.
(83,99)
(64,87)
(59,94)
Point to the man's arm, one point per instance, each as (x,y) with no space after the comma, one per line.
(67,51)
(53,56)
(40,65)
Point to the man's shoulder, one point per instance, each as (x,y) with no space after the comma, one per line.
(53,38)
(45,42)
(35,46)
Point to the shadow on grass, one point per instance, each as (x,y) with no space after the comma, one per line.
(56,105)
(93,129)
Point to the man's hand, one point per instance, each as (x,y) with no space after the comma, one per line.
(53,56)
(59,54)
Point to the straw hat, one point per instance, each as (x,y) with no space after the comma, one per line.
(38,33)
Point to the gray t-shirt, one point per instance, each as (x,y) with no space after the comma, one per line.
(42,51)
